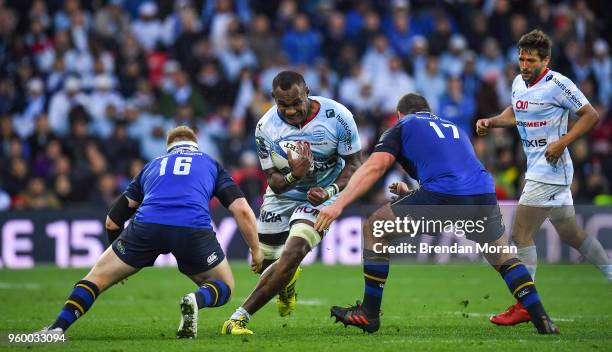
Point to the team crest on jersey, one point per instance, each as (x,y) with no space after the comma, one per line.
(319,134)
(330,113)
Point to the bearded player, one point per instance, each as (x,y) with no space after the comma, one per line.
(542,100)
(327,154)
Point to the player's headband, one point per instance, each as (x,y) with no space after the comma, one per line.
(183,144)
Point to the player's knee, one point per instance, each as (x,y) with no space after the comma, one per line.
(310,236)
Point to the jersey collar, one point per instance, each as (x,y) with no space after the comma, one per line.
(182,145)
(539,78)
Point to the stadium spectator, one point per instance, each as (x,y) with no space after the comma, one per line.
(216,60)
(302,44)
(458,107)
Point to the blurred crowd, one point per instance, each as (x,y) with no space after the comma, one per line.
(89,88)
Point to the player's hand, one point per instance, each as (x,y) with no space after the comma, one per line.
(257,258)
(326,216)
(554,151)
(399,188)
(482,127)
(300,165)
(317,196)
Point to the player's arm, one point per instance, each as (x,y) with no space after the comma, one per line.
(232,198)
(363,179)
(588,118)
(121,211)
(123,208)
(505,119)
(319,195)
(385,152)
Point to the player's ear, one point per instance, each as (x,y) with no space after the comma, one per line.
(306,90)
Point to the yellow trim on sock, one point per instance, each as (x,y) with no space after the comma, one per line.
(76,305)
(216,293)
(522,286)
(374,278)
(88,289)
(513,265)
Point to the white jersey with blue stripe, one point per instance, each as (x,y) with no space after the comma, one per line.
(542,112)
(330,133)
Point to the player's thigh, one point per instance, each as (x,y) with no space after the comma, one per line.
(568,229)
(109,270)
(221,271)
(273,225)
(527,221)
(196,250)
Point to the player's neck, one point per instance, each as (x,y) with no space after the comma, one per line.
(537,79)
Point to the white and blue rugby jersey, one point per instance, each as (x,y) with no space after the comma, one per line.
(331,132)
(542,111)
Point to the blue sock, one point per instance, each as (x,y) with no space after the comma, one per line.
(214,293)
(375,271)
(521,285)
(80,300)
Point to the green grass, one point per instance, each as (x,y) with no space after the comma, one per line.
(425,308)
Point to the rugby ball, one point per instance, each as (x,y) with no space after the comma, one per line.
(279,155)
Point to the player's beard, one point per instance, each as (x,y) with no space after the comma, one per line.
(535,74)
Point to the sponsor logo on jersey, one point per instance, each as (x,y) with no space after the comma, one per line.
(212,258)
(323,165)
(549,77)
(330,113)
(521,105)
(531,123)
(268,216)
(533,143)
(568,93)
(348,135)
(306,210)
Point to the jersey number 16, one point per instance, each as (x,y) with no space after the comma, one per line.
(182,166)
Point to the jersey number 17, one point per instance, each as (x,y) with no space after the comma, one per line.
(447,125)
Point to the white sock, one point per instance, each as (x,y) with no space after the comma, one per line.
(529,256)
(592,250)
(241,312)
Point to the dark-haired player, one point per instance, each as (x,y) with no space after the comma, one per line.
(453,186)
(542,100)
(328,154)
(170,197)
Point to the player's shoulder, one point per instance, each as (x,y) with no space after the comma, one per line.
(266,121)
(558,80)
(331,108)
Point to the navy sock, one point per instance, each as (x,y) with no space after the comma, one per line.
(375,271)
(521,285)
(214,293)
(80,300)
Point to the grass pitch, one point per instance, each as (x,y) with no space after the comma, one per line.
(426,307)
